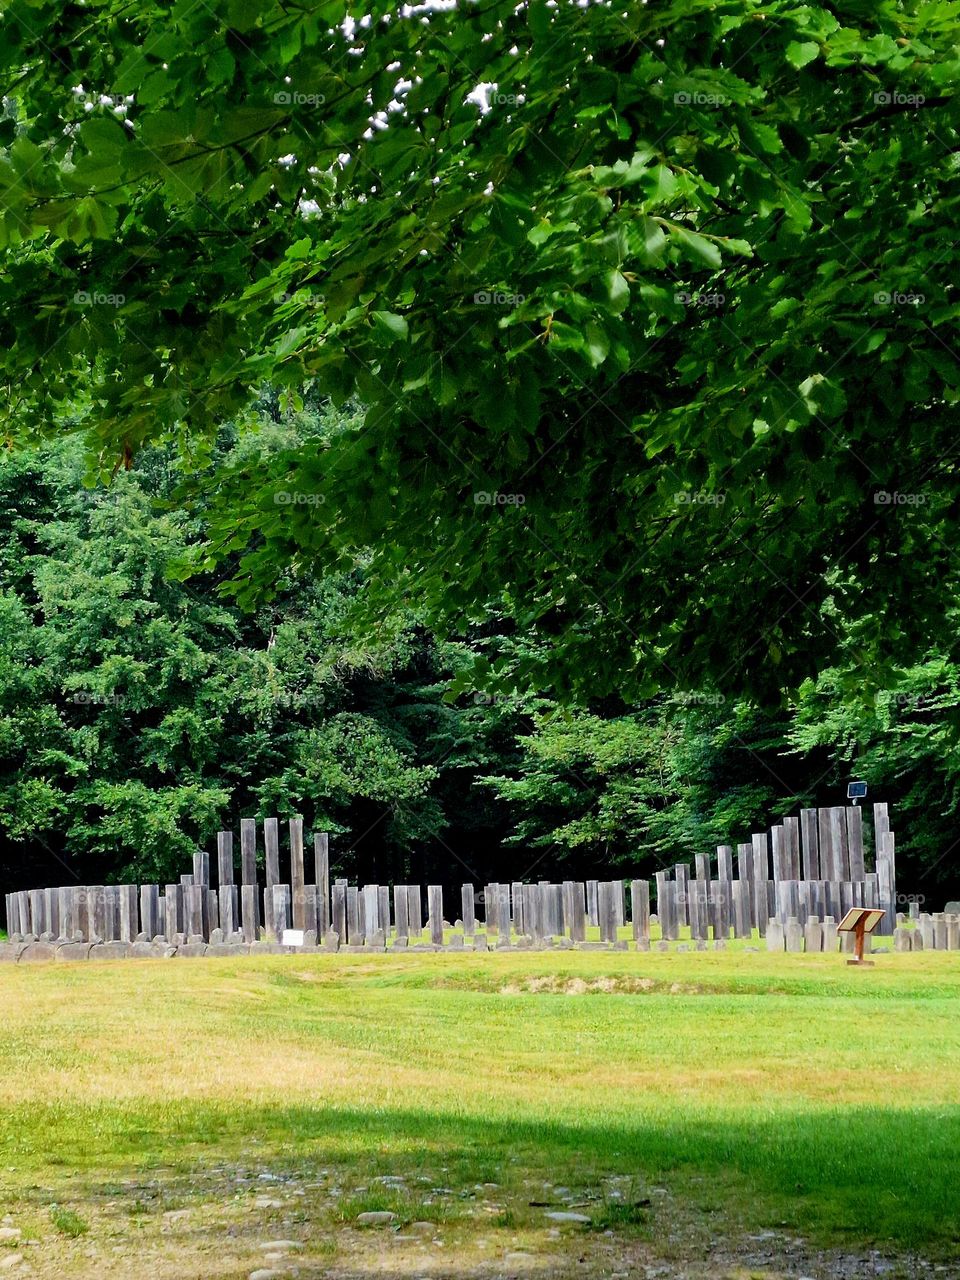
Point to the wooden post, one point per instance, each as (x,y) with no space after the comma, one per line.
(725,879)
(68,912)
(311,916)
(620,902)
(828,865)
(414,912)
(939,931)
(516,907)
(805,899)
(63,909)
(201,867)
(530,910)
(640,908)
(846,896)
(371,911)
(128,912)
(724,862)
(400,910)
(702,863)
(871,890)
(489,907)
(556,907)
(36,912)
(228,909)
(503,914)
(149,909)
(542,898)
(23,897)
(697,909)
(248,850)
(791,847)
(608,910)
(810,843)
(593,902)
(339,912)
(224,857)
(48,910)
(779,860)
(51,908)
(86,912)
(321,863)
(745,873)
(435,908)
(193,900)
(760,874)
(855,841)
(574,915)
(681,874)
(741,909)
(951,932)
(467,910)
(881,825)
(297,879)
(545,899)
(271,845)
(383,909)
(838,837)
(281,909)
(718,910)
(354,937)
(173,911)
(887,880)
(666,912)
(250,914)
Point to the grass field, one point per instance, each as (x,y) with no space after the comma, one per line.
(744,1114)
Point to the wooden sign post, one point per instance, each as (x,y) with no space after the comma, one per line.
(860,921)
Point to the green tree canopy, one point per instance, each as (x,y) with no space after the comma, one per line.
(650,307)
(139,714)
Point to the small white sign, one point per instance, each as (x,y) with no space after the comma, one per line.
(292,938)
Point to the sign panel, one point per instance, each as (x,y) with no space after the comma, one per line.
(865,919)
(292,938)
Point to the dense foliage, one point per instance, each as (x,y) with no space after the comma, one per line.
(530,426)
(138,715)
(650,306)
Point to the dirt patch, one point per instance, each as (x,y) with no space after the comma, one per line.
(230,1222)
(621,985)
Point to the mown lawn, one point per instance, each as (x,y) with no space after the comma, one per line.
(677,1099)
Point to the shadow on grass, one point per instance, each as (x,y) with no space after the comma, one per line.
(857,1175)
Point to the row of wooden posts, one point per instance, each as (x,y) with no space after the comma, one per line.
(812,868)
(811,865)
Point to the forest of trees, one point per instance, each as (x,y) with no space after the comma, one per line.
(505,434)
(142,711)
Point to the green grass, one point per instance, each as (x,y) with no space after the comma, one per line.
(67,1222)
(755,1091)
